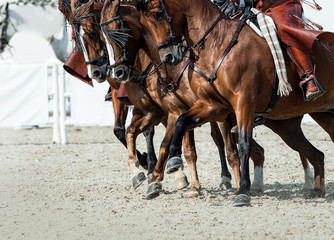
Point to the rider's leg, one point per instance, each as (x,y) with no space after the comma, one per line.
(304,62)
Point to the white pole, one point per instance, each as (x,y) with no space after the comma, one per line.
(62,115)
(56,136)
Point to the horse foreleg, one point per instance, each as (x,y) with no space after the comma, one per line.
(151,157)
(189,152)
(139,123)
(244,117)
(120,115)
(216,135)
(197,115)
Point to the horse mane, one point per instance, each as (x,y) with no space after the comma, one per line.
(65,4)
(119,36)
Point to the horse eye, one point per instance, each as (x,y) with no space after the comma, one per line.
(159,15)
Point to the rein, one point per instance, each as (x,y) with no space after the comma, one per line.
(173,39)
(140,82)
(208,31)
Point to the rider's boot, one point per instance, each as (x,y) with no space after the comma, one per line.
(310,86)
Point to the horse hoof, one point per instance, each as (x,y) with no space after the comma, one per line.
(153,190)
(241,200)
(173,164)
(138,180)
(191,194)
(225,184)
(181,182)
(320,192)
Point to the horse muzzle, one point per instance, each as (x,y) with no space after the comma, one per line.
(171,55)
(121,73)
(100,73)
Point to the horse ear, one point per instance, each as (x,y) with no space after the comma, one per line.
(115,7)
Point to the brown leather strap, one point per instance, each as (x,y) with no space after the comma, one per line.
(227,50)
(196,69)
(140,82)
(199,71)
(178,77)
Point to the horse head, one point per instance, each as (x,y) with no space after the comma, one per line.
(164,20)
(85,18)
(117,22)
(7,29)
(64,7)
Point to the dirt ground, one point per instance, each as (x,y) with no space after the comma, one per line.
(82,190)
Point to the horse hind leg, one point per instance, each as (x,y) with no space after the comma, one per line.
(257,155)
(231,148)
(308,174)
(290,132)
(216,135)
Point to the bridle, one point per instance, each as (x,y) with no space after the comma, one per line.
(120,37)
(172,40)
(76,21)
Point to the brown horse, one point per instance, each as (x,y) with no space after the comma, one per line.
(257,151)
(146,160)
(242,84)
(113,17)
(145,113)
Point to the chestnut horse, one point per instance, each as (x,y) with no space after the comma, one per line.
(146,160)
(129,62)
(146,112)
(243,80)
(116,21)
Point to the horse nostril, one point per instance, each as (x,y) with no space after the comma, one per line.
(97,74)
(169,58)
(119,73)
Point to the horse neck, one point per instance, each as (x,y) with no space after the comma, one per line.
(200,15)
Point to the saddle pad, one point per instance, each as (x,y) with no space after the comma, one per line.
(269,33)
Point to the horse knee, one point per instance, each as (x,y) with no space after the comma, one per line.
(190,155)
(149,132)
(119,132)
